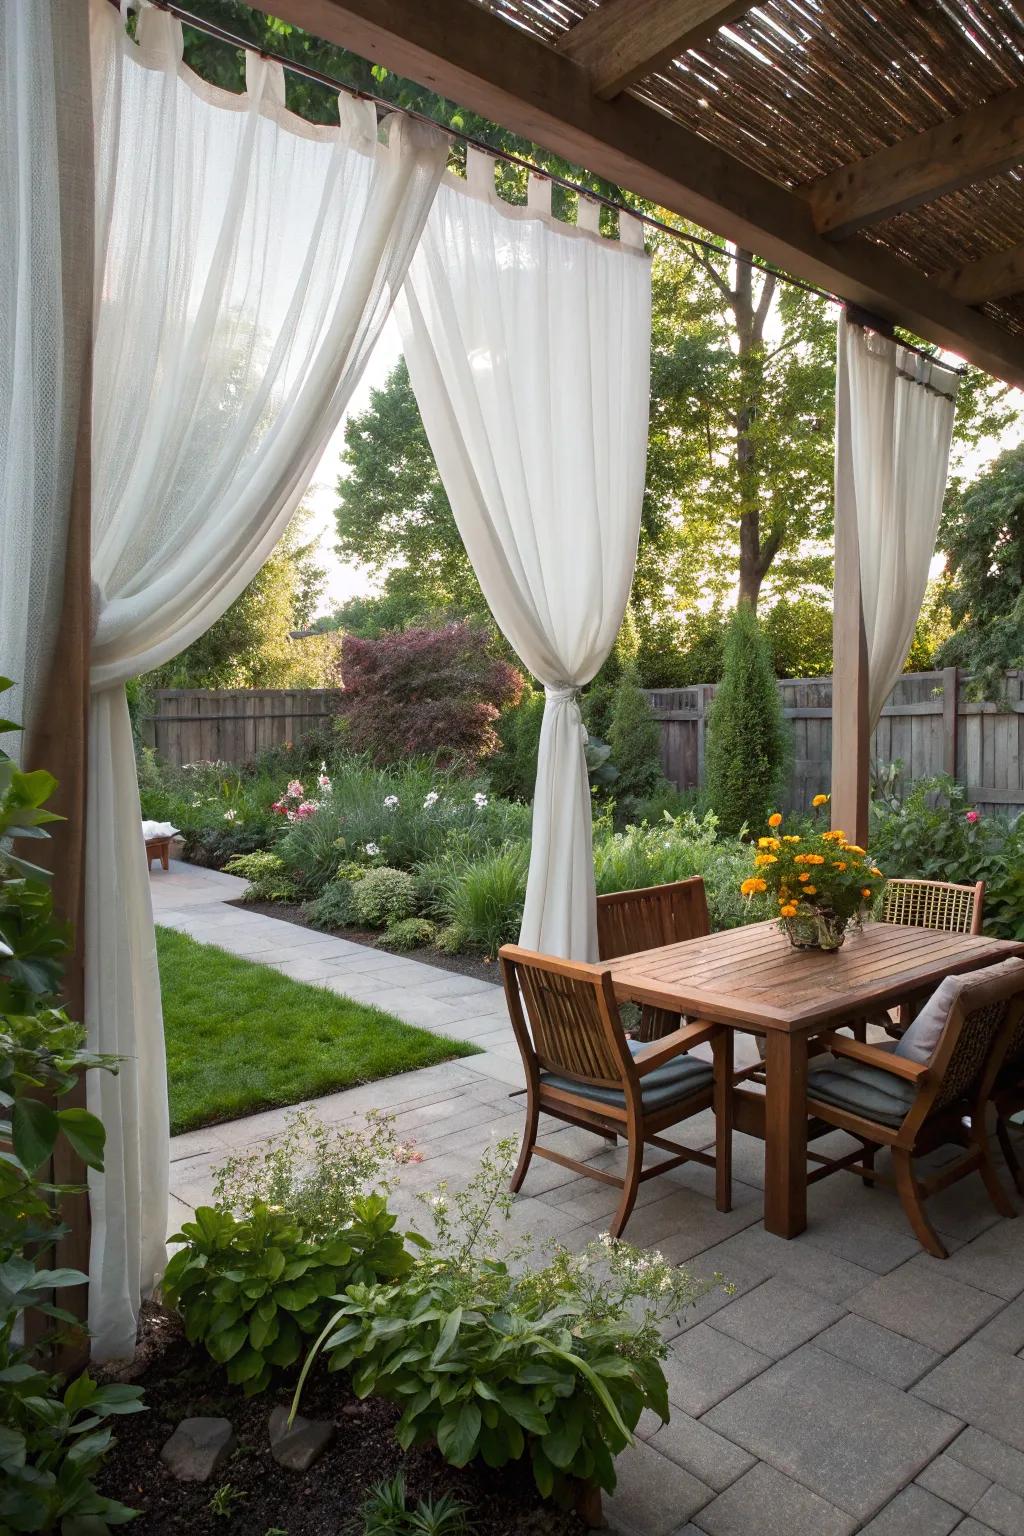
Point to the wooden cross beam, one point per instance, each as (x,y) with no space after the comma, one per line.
(626,39)
(962,150)
(991,277)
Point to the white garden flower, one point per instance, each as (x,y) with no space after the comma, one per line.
(479,800)
(432,798)
(390,802)
(230,815)
(371,849)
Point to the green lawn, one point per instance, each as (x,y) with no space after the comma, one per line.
(242,1037)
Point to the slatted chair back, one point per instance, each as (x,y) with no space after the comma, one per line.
(628,921)
(934,904)
(987,1012)
(573,1023)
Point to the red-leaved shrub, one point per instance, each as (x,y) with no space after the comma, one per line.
(426,691)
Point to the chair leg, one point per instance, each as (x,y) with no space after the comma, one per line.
(990,1178)
(910,1198)
(859,1030)
(529,1140)
(1009,1153)
(869,1162)
(634,1163)
(722,1049)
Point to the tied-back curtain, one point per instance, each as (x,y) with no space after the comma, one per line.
(246,261)
(45,183)
(528,346)
(894,423)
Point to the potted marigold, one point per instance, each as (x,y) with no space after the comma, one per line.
(819,880)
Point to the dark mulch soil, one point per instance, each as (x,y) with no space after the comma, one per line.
(465,965)
(182,1382)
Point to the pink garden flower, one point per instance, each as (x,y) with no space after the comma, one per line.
(972,817)
(295,790)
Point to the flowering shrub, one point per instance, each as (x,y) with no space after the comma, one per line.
(813,878)
(426,690)
(495,1357)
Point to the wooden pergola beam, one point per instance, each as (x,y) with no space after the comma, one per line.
(626,39)
(464,52)
(962,150)
(996,276)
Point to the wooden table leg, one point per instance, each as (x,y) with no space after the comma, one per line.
(785,1155)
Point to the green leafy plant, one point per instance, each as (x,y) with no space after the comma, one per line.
(502,1359)
(410,933)
(333,908)
(267,874)
(747,741)
(635,739)
(386,1512)
(384,896)
(251,1289)
(222,1504)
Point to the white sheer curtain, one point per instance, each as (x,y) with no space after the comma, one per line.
(45,136)
(894,422)
(246,261)
(528,345)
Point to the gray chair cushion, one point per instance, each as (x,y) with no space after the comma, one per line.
(862,1090)
(919,1042)
(675,1081)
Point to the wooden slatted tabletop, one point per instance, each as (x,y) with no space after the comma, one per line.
(752,978)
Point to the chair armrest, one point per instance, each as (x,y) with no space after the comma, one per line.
(680,1041)
(873,1056)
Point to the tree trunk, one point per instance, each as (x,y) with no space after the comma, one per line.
(756,555)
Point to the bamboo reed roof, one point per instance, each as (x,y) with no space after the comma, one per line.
(798,89)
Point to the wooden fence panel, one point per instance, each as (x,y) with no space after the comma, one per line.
(928,724)
(190,725)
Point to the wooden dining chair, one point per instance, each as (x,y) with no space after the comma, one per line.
(1008,1099)
(887,1096)
(581,1068)
(628,921)
(928,904)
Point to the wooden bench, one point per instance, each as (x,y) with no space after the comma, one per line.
(158,848)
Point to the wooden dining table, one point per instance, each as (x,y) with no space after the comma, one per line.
(752,979)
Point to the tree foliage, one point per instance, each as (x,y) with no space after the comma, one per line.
(983,534)
(747,746)
(426,691)
(250,645)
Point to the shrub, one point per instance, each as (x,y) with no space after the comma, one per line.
(502,1359)
(635,739)
(292,1227)
(252,1289)
(678,848)
(268,878)
(333,908)
(426,690)
(451,939)
(411,933)
(384,896)
(386,1512)
(52,1435)
(746,750)
(512,770)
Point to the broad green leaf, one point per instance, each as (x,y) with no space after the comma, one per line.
(457,1432)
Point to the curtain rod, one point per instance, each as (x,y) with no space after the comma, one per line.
(857,315)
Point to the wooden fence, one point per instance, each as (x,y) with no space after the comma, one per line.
(190,725)
(928,724)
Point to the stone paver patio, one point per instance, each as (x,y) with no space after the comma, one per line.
(851,1384)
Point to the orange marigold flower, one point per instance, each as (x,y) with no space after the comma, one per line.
(775,820)
(866,893)
(753,886)
(792,838)
(787,911)
(820,800)
(810,890)
(764,858)
(768,842)
(840,864)
(852,848)
(875,871)
(805,875)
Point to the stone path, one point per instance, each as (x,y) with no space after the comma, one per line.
(851,1384)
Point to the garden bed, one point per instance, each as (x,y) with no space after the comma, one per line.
(181,1381)
(464,964)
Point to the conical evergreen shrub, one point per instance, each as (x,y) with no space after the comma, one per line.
(747,747)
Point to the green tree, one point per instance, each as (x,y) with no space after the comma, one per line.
(250,645)
(982,533)
(747,745)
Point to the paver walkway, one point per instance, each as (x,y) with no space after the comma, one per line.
(851,1384)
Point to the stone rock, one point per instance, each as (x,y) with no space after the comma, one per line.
(298,1447)
(197,1448)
